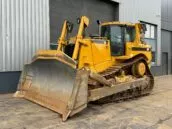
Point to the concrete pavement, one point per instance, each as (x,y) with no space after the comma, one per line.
(148,112)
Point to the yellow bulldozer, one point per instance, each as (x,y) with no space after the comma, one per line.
(111,66)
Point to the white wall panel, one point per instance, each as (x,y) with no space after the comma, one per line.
(142,10)
(24,28)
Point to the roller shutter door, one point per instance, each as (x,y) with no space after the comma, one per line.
(60,10)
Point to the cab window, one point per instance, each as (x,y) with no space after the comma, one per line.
(130,34)
(118,36)
(117,40)
(105,31)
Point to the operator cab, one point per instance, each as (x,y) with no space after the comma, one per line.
(118,34)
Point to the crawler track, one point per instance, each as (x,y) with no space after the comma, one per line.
(130,93)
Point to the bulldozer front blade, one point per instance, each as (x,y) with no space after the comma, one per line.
(55,85)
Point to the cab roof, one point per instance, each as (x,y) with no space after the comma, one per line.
(118,23)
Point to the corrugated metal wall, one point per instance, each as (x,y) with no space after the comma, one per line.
(24,28)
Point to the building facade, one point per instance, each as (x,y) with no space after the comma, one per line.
(166,39)
(24,28)
(29,25)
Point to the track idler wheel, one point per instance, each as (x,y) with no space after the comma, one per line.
(138,69)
